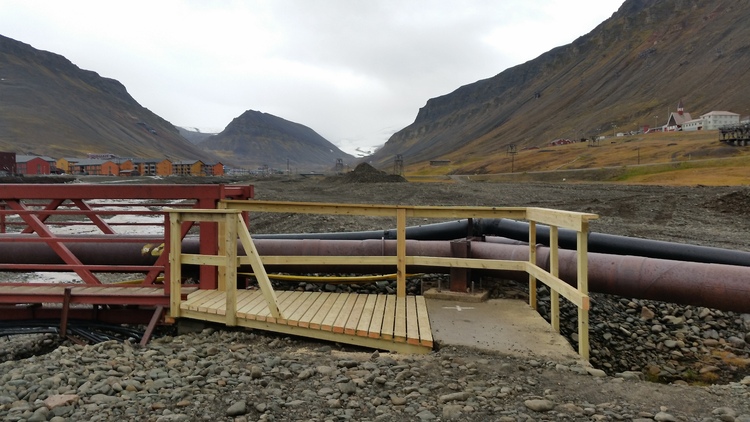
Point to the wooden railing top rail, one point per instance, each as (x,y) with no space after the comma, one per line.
(564,219)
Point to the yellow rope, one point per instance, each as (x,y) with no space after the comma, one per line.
(331,279)
(308,278)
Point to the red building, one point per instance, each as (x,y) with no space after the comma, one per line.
(8,163)
(33,164)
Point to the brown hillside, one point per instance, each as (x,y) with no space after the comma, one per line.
(51,107)
(636,65)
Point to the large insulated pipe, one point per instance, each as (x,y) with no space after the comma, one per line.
(617,245)
(518,230)
(437,231)
(724,287)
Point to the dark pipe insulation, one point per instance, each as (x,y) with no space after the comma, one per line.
(517,230)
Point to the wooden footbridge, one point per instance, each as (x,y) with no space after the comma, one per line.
(397,322)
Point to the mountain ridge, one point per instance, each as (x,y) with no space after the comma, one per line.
(637,64)
(52,107)
(261,139)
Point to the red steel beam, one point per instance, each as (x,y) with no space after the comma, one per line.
(62,251)
(113,315)
(204,196)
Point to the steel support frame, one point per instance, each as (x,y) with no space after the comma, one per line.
(206,196)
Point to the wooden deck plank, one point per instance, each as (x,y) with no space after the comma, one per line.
(140,291)
(106,291)
(244,297)
(376,323)
(304,320)
(294,318)
(194,297)
(399,326)
(317,320)
(380,321)
(93,290)
(425,331)
(412,324)
(363,326)
(265,312)
(220,308)
(261,311)
(258,298)
(287,311)
(23,289)
(355,315)
(332,337)
(255,298)
(199,301)
(115,291)
(330,318)
(389,317)
(338,326)
(212,301)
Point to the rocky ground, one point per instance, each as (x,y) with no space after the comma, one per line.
(699,356)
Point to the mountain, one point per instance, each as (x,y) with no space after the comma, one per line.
(194,136)
(635,66)
(51,107)
(260,139)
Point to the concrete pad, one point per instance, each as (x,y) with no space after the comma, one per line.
(457,296)
(505,326)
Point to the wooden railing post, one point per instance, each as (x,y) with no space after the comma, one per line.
(532,261)
(175,264)
(583,287)
(554,270)
(401,252)
(229,237)
(221,242)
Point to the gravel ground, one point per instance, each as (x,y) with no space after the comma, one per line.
(701,353)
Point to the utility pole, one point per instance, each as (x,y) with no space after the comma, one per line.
(339,166)
(512,152)
(398,165)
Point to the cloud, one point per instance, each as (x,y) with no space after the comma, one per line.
(354,71)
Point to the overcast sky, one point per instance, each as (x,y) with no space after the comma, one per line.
(355,71)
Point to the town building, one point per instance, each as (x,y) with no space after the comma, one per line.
(8,163)
(35,165)
(677,119)
(188,168)
(717,119)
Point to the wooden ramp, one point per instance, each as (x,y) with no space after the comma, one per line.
(398,324)
(17,293)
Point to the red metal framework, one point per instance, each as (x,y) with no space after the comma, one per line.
(31,211)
